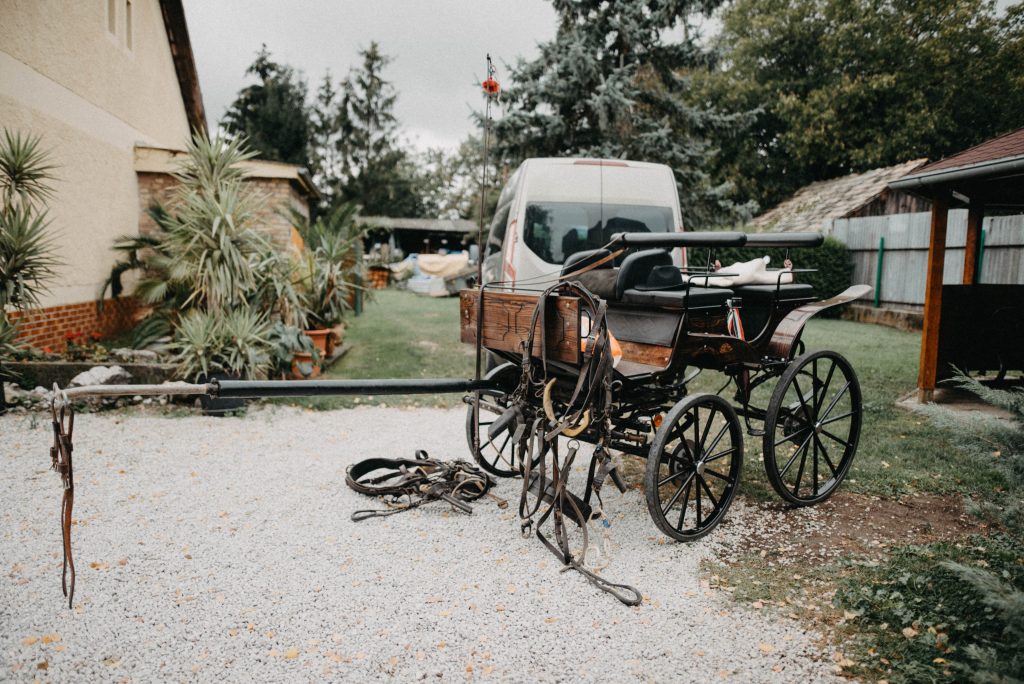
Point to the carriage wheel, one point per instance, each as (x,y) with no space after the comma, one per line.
(496,457)
(812,427)
(694,466)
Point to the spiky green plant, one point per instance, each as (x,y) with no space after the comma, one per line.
(27,261)
(329,268)
(204,251)
(236,342)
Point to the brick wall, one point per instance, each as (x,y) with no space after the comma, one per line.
(272,220)
(46,327)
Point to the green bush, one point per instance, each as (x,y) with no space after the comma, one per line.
(832,261)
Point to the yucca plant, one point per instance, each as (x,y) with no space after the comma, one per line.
(234,343)
(329,268)
(27,261)
(205,250)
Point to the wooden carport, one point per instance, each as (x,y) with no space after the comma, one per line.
(986,178)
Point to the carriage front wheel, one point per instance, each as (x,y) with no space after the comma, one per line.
(812,427)
(694,465)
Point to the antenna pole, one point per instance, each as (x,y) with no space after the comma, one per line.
(491,90)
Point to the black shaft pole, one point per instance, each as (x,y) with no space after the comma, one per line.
(255,389)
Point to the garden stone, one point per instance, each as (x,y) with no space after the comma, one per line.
(101,375)
(135,355)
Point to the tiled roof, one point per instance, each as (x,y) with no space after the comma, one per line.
(1007,145)
(819,202)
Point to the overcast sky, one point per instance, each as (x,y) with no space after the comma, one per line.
(439,49)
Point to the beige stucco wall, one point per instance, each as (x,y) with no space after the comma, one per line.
(65,77)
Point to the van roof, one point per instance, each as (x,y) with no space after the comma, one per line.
(552,161)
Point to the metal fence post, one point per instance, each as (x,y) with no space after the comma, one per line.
(878,273)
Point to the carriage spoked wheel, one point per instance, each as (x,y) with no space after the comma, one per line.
(812,427)
(497,457)
(694,465)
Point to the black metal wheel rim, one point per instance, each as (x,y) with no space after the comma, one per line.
(496,457)
(694,466)
(812,427)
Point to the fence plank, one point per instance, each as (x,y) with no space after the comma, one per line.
(906,252)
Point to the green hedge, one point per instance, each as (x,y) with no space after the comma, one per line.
(832,261)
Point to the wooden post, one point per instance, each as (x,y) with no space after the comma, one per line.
(933,298)
(975,217)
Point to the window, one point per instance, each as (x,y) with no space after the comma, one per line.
(556,230)
(498,226)
(112,16)
(128,24)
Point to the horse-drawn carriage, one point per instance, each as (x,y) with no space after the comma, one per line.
(609,353)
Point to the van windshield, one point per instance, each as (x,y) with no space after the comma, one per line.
(556,230)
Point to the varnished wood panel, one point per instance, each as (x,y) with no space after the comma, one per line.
(646,354)
(506,323)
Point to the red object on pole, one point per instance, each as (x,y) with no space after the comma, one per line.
(491,86)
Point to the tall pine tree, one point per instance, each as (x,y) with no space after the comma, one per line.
(379,175)
(271,114)
(609,85)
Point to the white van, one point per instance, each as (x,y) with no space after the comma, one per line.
(553,208)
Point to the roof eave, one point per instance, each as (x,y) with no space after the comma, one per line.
(184,64)
(920,182)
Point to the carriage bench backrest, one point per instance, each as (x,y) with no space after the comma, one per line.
(506,323)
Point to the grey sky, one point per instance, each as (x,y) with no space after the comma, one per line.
(438,49)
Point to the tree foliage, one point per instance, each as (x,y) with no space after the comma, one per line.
(272,115)
(842,86)
(610,85)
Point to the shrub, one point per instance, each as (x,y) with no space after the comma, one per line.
(27,262)
(832,261)
(233,343)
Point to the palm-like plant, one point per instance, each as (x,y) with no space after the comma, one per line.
(235,342)
(27,262)
(329,268)
(205,249)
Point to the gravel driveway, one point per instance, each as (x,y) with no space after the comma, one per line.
(221,549)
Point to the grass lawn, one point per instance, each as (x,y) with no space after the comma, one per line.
(402,335)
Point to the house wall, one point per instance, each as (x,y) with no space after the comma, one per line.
(66,77)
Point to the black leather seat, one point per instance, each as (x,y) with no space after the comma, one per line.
(600,280)
(649,278)
(767,293)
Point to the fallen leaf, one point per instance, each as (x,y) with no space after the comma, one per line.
(42,665)
(909,632)
(51,638)
(28,641)
(232,632)
(99,566)
(292,653)
(551,620)
(511,588)
(766,648)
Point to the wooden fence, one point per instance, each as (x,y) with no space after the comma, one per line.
(901,241)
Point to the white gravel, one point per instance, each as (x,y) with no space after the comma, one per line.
(221,549)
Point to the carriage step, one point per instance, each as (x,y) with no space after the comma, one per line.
(549,495)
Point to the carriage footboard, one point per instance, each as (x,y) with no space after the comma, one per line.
(789,329)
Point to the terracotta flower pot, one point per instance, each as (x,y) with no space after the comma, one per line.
(335,338)
(320,339)
(303,366)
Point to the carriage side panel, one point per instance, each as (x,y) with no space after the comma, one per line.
(507,318)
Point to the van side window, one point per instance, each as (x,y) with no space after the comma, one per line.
(498,227)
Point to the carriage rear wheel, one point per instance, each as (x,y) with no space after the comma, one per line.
(812,427)
(694,466)
(496,456)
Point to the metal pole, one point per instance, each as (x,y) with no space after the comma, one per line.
(878,272)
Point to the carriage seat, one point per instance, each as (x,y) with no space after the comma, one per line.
(758,294)
(645,278)
(649,278)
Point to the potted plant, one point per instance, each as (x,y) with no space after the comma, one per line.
(329,268)
(229,346)
(293,353)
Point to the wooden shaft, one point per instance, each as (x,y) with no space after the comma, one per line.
(928,369)
(975,218)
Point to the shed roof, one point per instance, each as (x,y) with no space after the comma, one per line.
(1005,146)
(460,226)
(813,205)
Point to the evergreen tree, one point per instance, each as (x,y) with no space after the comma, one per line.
(327,142)
(272,114)
(379,175)
(849,85)
(610,85)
